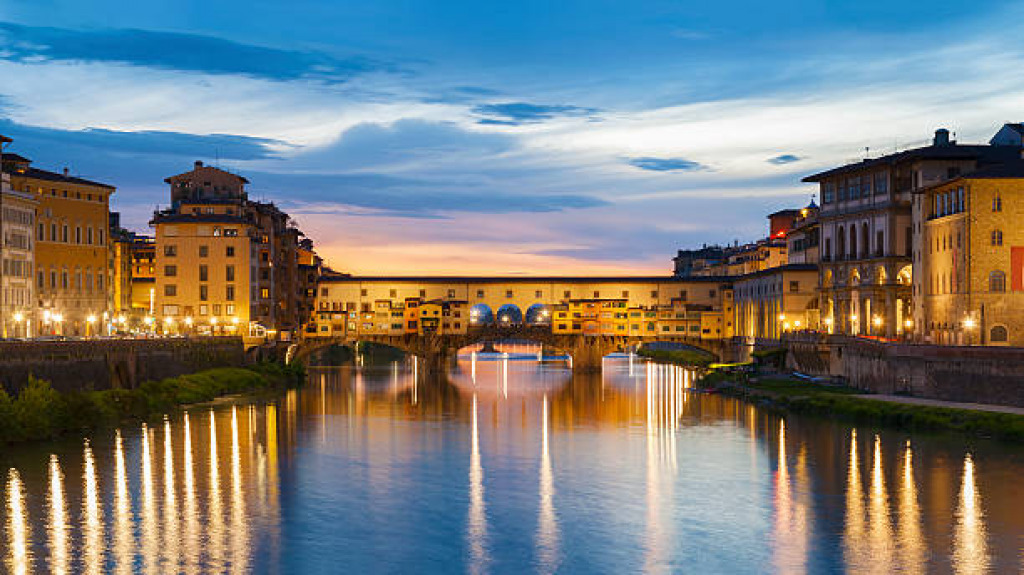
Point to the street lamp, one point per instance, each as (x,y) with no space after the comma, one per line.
(89,321)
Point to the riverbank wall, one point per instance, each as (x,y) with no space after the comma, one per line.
(112,364)
(972,374)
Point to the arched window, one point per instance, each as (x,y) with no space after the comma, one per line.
(997,204)
(865,241)
(853,242)
(997,237)
(841,244)
(997,282)
(998,334)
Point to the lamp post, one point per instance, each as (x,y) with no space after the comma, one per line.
(213,326)
(89,322)
(969,325)
(188,324)
(877,322)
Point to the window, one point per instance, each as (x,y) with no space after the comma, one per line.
(323,292)
(64,233)
(654,294)
(204,293)
(997,282)
(393,293)
(88,235)
(170,309)
(682,294)
(998,334)
(451,293)
(78,234)
(362,292)
(170,250)
(879,243)
(229,251)
(204,309)
(204,251)
(538,294)
(204,273)
(479,293)
(423,293)
(625,294)
(230,293)
(997,205)
(41,279)
(101,237)
(170,290)
(229,309)
(794,286)
(264,293)
(170,271)
(230,232)
(997,237)
(566,294)
(597,294)
(229,273)
(41,234)
(508,293)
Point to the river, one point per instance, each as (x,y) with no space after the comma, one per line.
(509,465)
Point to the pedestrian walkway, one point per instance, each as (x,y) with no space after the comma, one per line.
(939,403)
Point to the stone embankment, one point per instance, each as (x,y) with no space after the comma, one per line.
(971,374)
(112,364)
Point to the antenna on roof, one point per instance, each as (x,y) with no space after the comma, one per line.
(867,152)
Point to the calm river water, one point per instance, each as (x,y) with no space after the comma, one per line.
(509,465)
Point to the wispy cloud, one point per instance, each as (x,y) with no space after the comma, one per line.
(783,159)
(178,51)
(517,113)
(148,142)
(666,164)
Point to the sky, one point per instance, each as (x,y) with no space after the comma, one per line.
(474,137)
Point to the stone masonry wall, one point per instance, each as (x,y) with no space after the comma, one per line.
(952,373)
(107,364)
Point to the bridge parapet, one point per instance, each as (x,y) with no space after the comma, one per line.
(587,352)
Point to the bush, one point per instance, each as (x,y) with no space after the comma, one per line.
(40,412)
(39,409)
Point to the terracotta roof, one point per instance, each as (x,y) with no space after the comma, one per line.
(986,153)
(37,174)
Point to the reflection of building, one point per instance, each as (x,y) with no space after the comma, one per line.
(780,299)
(17,252)
(867,230)
(972,258)
(71,254)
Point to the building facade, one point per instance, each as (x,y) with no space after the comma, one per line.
(972,258)
(774,301)
(588,306)
(224,263)
(71,253)
(869,230)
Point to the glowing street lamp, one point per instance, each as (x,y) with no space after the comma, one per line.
(90,320)
(188,321)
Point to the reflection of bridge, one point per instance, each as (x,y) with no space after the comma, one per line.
(435,350)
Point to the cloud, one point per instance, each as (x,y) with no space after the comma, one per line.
(517,113)
(178,51)
(146,142)
(666,164)
(385,195)
(784,159)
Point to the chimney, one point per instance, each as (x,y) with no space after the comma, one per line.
(941,137)
(65,171)
(199,164)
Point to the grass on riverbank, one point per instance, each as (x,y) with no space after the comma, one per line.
(40,412)
(686,357)
(807,398)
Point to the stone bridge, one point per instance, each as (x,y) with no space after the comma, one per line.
(435,350)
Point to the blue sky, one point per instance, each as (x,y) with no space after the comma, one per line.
(486,137)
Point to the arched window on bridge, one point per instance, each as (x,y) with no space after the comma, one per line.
(538,314)
(509,314)
(480,315)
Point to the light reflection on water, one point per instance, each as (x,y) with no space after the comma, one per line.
(508,465)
